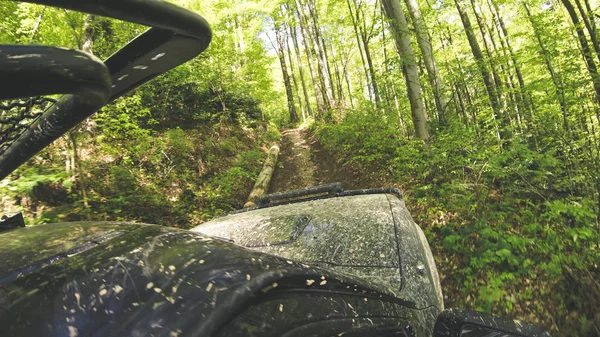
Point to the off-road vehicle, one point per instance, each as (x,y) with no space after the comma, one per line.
(314,262)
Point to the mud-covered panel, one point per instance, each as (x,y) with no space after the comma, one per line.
(24,246)
(353,230)
(387,277)
(151,280)
(418,268)
(420,281)
(330,315)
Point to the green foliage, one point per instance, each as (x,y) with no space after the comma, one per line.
(369,140)
(228,191)
(30,177)
(499,216)
(516,219)
(272,134)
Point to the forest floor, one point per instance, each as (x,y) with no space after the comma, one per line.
(304,162)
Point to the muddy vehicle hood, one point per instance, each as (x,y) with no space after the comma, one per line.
(117,279)
(371,236)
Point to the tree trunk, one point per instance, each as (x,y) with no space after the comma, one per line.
(399,25)
(309,57)
(301,70)
(488,51)
(355,20)
(503,76)
(481,63)
(372,75)
(87,45)
(523,92)
(588,25)
(264,178)
(424,42)
(386,64)
(349,84)
(338,77)
(88,33)
(312,44)
(322,52)
(286,76)
(585,48)
(293,72)
(37,24)
(556,79)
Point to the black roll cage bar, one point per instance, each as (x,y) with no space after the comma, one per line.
(176,36)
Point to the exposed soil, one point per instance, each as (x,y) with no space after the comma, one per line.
(304,162)
(294,169)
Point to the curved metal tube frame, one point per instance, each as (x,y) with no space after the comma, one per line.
(176,36)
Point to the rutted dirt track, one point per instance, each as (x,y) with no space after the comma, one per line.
(294,168)
(303,162)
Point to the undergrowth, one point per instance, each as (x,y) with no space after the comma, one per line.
(175,177)
(514,229)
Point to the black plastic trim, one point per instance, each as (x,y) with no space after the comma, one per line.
(333,189)
(313,193)
(450,323)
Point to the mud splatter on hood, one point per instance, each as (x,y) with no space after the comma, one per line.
(106,279)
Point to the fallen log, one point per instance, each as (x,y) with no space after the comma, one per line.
(264,178)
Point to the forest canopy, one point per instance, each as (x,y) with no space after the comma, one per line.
(486,113)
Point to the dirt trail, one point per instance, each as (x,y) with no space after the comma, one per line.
(294,168)
(303,162)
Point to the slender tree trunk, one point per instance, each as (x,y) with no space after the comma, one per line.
(235,42)
(301,70)
(591,30)
(355,20)
(309,58)
(349,84)
(505,37)
(322,51)
(503,76)
(36,27)
(585,48)
(592,19)
(87,45)
(88,33)
(399,25)
(338,78)
(481,63)
(365,34)
(239,38)
(312,44)
(556,78)
(386,63)
(424,42)
(293,73)
(286,77)
(461,105)
(488,51)
(365,41)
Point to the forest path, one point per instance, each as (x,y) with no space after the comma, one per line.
(294,168)
(304,162)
